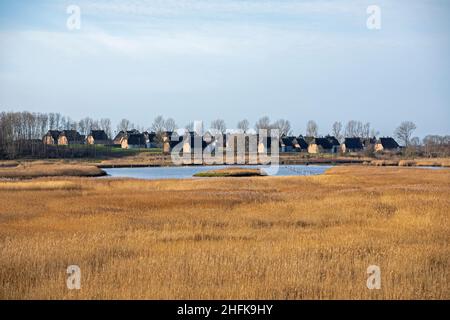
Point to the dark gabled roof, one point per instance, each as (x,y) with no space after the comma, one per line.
(308,139)
(173,140)
(368,141)
(388,143)
(171,136)
(72,135)
(136,139)
(133,131)
(288,141)
(353,143)
(173,143)
(323,142)
(99,135)
(121,134)
(302,143)
(333,141)
(54,134)
(151,136)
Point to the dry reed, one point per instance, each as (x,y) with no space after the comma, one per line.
(247,238)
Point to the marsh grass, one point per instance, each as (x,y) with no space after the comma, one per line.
(42,169)
(249,238)
(231,172)
(423,162)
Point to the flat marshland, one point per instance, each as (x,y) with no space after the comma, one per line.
(309,237)
(28,170)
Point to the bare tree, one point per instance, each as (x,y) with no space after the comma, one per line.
(374,133)
(63,124)
(19,132)
(430,140)
(312,129)
(263,123)
(219,125)
(95,125)
(158,124)
(283,126)
(359,129)
(105,125)
(170,125)
(82,127)
(57,121)
(415,142)
(71,125)
(86,125)
(351,129)
(404,132)
(337,130)
(366,130)
(52,121)
(124,125)
(243,125)
(437,144)
(43,121)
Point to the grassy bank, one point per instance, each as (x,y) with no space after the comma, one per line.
(43,169)
(230,172)
(264,237)
(436,162)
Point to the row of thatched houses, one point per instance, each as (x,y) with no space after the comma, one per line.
(330,144)
(168,140)
(66,137)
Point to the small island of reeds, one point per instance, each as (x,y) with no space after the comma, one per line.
(231,172)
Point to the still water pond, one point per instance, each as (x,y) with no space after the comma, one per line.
(188,171)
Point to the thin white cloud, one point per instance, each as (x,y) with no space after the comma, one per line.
(201,7)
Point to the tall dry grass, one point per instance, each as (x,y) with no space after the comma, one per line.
(28,170)
(229,238)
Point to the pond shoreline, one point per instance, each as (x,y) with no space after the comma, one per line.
(189,172)
(282,163)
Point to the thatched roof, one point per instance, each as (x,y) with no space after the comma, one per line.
(288,141)
(54,134)
(368,141)
(137,139)
(72,136)
(309,139)
(333,141)
(353,143)
(302,143)
(322,142)
(150,136)
(388,143)
(99,135)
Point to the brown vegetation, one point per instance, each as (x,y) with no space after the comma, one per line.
(264,237)
(422,162)
(231,172)
(36,169)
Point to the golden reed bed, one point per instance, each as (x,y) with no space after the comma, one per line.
(265,237)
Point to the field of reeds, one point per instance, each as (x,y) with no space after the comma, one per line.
(231,172)
(35,169)
(309,237)
(421,162)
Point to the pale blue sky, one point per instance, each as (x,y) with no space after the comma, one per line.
(207,59)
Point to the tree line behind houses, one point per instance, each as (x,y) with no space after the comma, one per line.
(26,133)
